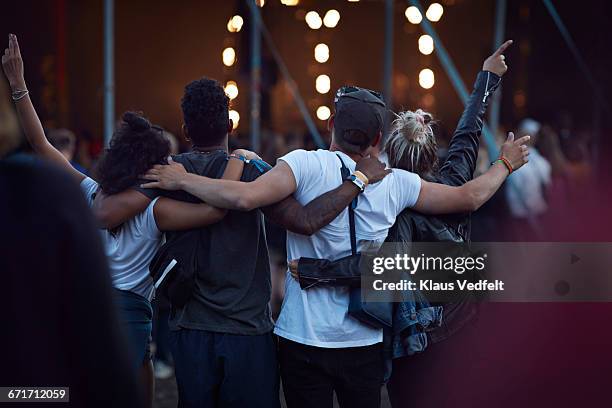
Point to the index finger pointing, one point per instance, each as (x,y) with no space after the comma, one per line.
(17,50)
(503,47)
(11,43)
(522,140)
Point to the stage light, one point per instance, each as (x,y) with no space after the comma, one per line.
(426,44)
(231,89)
(323,112)
(434,12)
(235,24)
(260,3)
(321,53)
(413,15)
(229,56)
(313,20)
(235,117)
(323,84)
(290,2)
(331,19)
(426,78)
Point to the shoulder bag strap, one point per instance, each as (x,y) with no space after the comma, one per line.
(345,173)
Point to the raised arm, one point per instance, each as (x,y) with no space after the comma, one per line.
(459,166)
(270,188)
(12,64)
(308,219)
(442,199)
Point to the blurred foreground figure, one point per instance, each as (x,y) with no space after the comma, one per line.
(60,328)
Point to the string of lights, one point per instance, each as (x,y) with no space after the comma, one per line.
(426,44)
(313,20)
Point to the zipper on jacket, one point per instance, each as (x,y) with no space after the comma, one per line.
(486,94)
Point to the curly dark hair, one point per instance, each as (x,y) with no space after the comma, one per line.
(205,111)
(136,146)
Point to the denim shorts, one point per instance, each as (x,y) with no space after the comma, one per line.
(136,317)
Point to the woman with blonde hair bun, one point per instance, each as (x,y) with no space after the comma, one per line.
(412,144)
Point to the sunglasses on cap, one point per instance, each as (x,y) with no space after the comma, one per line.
(345,90)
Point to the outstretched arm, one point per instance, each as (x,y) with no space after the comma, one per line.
(442,199)
(459,166)
(272,187)
(170,215)
(308,219)
(12,63)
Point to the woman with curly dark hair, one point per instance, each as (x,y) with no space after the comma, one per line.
(136,146)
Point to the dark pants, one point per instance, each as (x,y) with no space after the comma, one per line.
(135,315)
(225,370)
(312,374)
(161,330)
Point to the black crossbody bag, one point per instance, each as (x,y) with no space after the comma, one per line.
(376,314)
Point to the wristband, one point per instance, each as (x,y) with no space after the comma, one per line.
(362,177)
(505,162)
(237,156)
(357,178)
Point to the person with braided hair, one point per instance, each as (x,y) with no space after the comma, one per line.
(136,145)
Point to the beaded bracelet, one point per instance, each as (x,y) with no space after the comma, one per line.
(505,162)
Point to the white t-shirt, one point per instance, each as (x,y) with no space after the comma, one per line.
(319,316)
(131,249)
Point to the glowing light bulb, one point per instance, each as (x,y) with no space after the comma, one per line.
(434,12)
(426,44)
(331,19)
(413,15)
(313,19)
(231,89)
(323,84)
(426,78)
(321,53)
(229,56)
(235,117)
(235,24)
(323,112)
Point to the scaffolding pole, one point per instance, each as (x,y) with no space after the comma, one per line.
(255,78)
(109,70)
(285,71)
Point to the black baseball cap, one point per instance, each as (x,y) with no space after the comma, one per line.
(358,109)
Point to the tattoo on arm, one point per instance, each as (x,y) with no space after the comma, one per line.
(308,219)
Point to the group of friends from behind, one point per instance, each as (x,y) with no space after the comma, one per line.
(227,350)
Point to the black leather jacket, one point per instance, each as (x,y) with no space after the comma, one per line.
(456,170)
(411,226)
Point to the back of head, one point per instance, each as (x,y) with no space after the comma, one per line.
(529,127)
(205,112)
(412,145)
(136,146)
(359,118)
